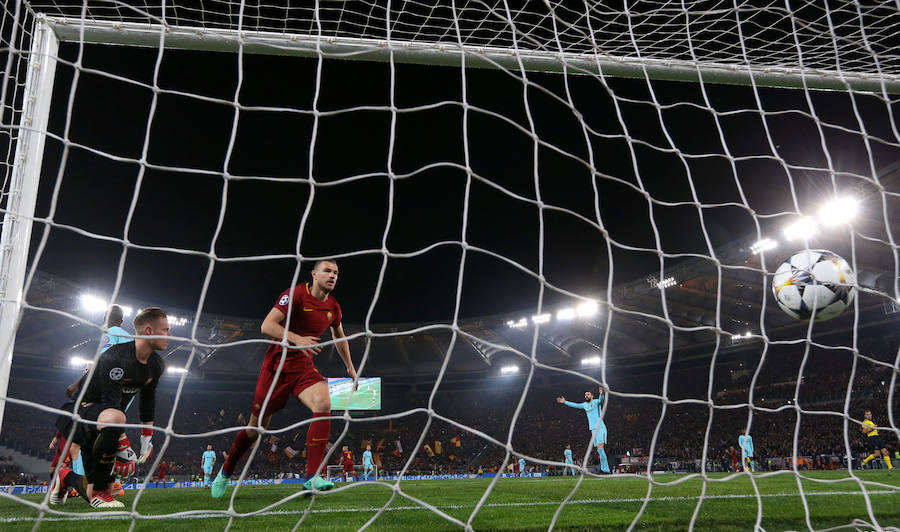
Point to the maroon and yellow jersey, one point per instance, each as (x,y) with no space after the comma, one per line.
(308,317)
(348,456)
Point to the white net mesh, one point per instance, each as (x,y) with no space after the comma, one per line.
(637,222)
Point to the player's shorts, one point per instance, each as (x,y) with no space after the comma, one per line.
(207,470)
(568,461)
(348,467)
(874,443)
(600,436)
(288,385)
(368,467)
(85,434)
(60,445)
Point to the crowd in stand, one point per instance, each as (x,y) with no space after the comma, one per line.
(681,432)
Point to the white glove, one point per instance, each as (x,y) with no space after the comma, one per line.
(146,449)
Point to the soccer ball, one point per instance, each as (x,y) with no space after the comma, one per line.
(814,279)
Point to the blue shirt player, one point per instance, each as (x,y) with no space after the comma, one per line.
(591,407)
(521,466)
(116,334)
(206,462)
(569,462)
(367,462)
(745,442)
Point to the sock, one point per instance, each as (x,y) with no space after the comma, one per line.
(316,438)
(604,465)
(104,457)
(242,442)
(887,460)
(78,465)
(206,480)
(869,458)
(78,483)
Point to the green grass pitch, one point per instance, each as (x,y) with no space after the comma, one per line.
(609,503)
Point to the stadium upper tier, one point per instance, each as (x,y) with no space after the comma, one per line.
(701,308)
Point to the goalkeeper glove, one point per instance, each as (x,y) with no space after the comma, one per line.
(146,446)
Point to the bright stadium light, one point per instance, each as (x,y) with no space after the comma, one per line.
(175,321)
(507,370)
(666,283)
(518,324)
(764,244)
(565,314)
(802,228)
(173,369)
(588,308)
(92,303)
(838,211)
(591,361)
(540,318)
(126,310)
(78,361)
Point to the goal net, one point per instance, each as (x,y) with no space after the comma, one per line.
(527,202)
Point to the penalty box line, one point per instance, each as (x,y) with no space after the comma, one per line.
(373,509)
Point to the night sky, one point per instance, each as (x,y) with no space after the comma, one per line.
(265,200)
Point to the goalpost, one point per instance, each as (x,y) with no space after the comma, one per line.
(842,47)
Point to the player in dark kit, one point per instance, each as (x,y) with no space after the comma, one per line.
(123,371)
(311,310)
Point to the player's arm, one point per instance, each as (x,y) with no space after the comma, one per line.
(562,400)
(866,429)
(110,388)
(343,349)
(272,327)
(147,410)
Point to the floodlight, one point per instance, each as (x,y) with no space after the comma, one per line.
(838,211)
(92,303)
(517,324)
(802,228)
(591,361)
(764,244)
(126,311)
(175,321)
(78,361)
(509,369)
(565,314)
(588,308)
(540,318)
(173,369)
(666,283)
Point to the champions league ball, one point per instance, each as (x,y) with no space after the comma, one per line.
(814,279)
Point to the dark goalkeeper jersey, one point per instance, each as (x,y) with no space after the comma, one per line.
(119,377)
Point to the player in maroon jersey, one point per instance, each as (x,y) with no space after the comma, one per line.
(347,460)
(312,310)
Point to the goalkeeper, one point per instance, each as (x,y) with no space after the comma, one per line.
(591,407)
(123,371)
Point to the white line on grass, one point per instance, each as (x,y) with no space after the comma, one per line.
(224,514)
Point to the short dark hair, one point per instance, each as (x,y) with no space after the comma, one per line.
(115,316)
(316,265)
(146,316)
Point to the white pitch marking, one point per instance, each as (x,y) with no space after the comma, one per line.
(223,514)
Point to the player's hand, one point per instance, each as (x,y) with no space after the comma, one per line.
(560,399)
(351,371)
(146,449)
(123,468)
(301,341)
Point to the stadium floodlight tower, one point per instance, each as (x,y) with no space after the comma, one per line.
(849,47)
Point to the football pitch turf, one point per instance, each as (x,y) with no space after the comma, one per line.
(609,503)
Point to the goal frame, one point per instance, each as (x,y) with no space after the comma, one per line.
(49,31)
